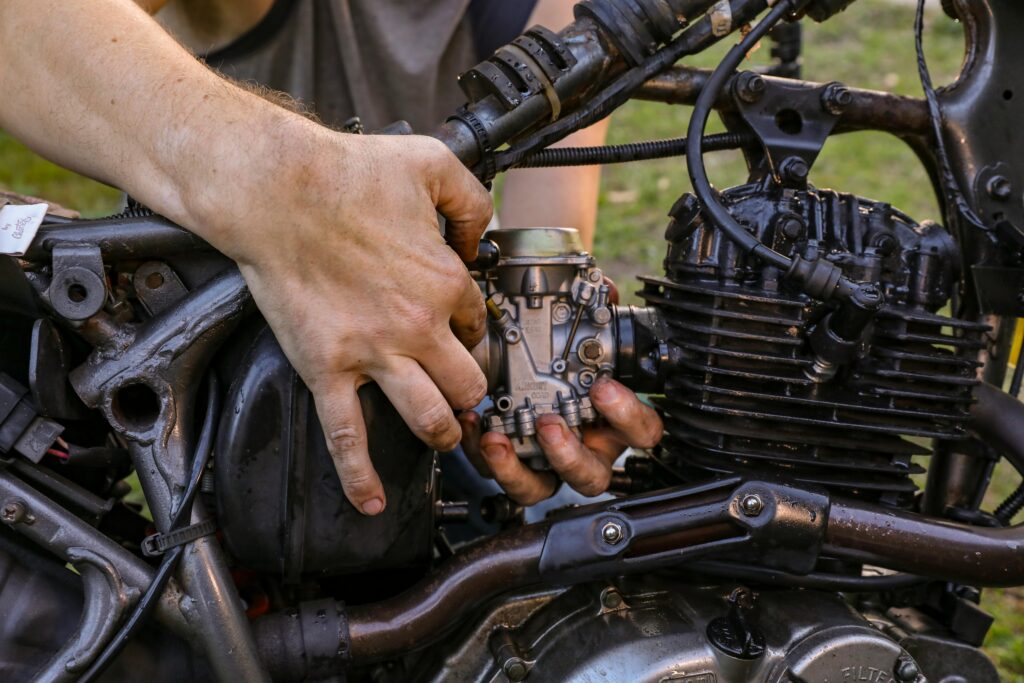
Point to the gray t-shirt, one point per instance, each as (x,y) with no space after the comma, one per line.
(383,60)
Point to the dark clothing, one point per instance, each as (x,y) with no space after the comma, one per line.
(382,60)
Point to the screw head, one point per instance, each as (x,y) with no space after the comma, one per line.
(591,350)
(752,505)
(515,668)
(791,227)
(999,187)
(13,512)
(611,532)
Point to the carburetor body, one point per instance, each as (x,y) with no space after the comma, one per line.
(553,330)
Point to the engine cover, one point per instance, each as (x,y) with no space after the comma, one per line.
(743,394)
(662,631)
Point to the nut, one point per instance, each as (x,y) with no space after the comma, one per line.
(750,86)
(752,505)
(836,98)
(999,188)
(611,532)
(794,170)
(611,598)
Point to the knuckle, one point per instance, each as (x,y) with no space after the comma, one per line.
(343,440)
(470,395)
(597,484)
(435,424)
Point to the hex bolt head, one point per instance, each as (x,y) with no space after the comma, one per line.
(750,86)
(611,533)
(752,505)
(794,170)
(999,188)
(836,98)
(13,512)
(791,227)
(515,668)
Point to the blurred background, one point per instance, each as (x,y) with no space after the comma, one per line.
(869,46)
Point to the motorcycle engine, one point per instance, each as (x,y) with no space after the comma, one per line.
(736,350)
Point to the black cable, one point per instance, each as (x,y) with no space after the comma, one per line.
(695,134)
(950,186)
(633,151)
(814,580)
(179,519)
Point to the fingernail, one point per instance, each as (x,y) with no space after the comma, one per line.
(550,433)
(374,506)
(493,452)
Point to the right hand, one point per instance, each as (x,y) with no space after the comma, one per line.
(343,255)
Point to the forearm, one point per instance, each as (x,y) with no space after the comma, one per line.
(99,87)
(556,197)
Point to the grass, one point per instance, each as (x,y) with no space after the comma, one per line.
(870,46)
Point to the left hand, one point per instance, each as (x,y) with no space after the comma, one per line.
(585,464)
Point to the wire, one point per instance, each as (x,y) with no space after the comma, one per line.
(814,580)
(634,151)
(951,188)
(695,137)
(169,563)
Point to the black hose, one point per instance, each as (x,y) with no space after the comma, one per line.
(169,562)
(634,151)
(619,90)
(695,137)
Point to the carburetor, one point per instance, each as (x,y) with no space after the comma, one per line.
(553,330)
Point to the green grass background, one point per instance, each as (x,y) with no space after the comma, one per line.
(869,46)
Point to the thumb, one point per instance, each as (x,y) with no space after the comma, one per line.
(463,201)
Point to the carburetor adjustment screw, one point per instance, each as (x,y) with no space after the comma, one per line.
(611,533)
(752,505)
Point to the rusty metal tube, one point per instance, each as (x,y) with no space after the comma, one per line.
(421,614)
(927,546)
(868,109)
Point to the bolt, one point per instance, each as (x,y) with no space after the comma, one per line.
(591,350)
(515,669)
(999,188)
(836,98)
(587,378)
(752,505)
(561,313)
(512,335)
(886,244)
(611,599)
(750,87)
(791,227)
(601,316)
(611,533)
(13,512)
(794,170)
(907,670)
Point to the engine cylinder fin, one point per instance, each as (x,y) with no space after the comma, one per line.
(742,396)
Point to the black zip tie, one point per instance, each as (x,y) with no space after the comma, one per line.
(158,544)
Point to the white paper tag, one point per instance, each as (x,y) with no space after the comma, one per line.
(18,226)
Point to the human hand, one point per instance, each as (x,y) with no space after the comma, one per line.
(585,464)
(343,256)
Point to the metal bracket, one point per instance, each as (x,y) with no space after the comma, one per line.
(792,119)
(78,288)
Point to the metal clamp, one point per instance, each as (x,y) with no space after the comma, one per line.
(158,544)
